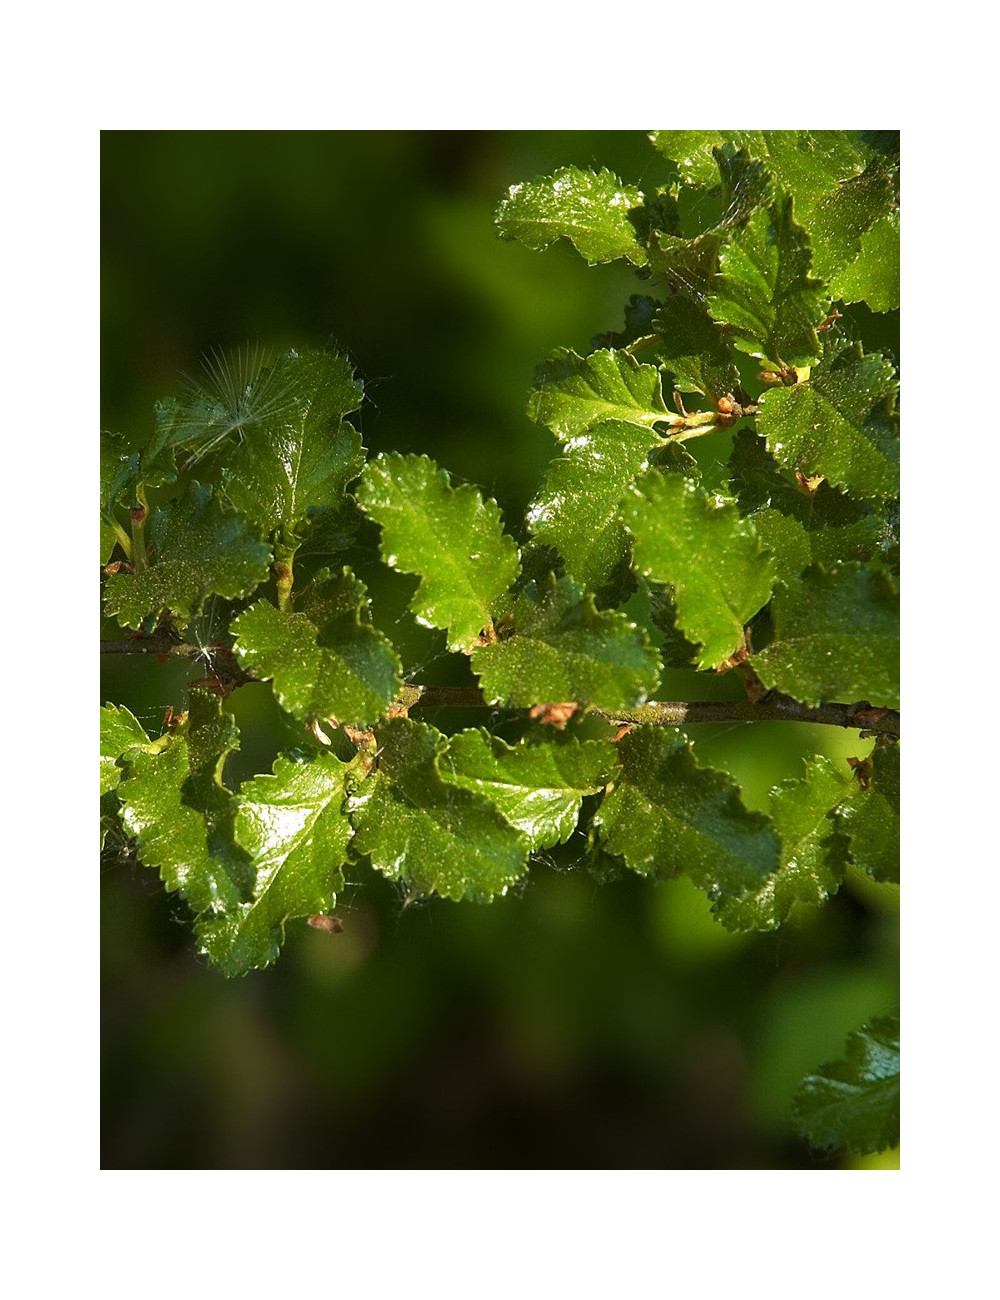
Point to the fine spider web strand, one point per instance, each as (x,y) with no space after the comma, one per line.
(202,634)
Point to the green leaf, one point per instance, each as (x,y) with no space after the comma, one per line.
(809,164)
(538,787)
(578,508)
(854,1103)
(667,816)
(120,731)
(175,805)
(836,637)
(675,649)
(873,276)
(572,393)
(690,263)
(712,560)
(239,393)
(692,347)
(450,536)
(687,265)
(871,817)
(119,471)
(591,209)
(563,649)
(119,477)
(839,424)
(305,453)
(813,851)
(294,825)
(765,293)
(200,548)
(693,152)
(801,527)
(429,833)
(326,660)
(840,219)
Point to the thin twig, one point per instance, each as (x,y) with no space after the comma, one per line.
(773,707)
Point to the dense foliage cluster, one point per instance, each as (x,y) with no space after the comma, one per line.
(254,489)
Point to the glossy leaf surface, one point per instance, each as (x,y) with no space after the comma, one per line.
(813,850)
(765,292)
(873,276)
(428,833)
(305,453)
(573,393)
(326,660)
(578,508)
(564,649)
(294,826)
(871,817)
(809,164)
(538,787)
(839,424)
(719,574)
(841,218)
(854,1102)
(591,209)
(450,536)
(666,816)
(836,638)
(199,548)
(175,805)
(692,151)
(120,731)
(801,526)
(119,477)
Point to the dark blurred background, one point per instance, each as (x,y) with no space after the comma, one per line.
(573,1024)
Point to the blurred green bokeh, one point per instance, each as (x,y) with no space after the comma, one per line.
(572,1025)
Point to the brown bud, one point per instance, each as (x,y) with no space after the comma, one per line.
(329,924)
(554,715)
(729,411)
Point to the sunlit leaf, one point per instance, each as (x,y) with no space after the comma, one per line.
(450,536)
(571,394)
(809,164)
(765,292)
(666,816)
(294,826)
(538,787)
(873,276)
(175,805)
(813,850)
(800,525)
(840,219)
(718,572)
(326,660)
(199,548)
(692,151)
(120,731)
(563,649)
(591,209)
(578,507)
(428,833)
(305,452)
(836,637)
(839,424)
